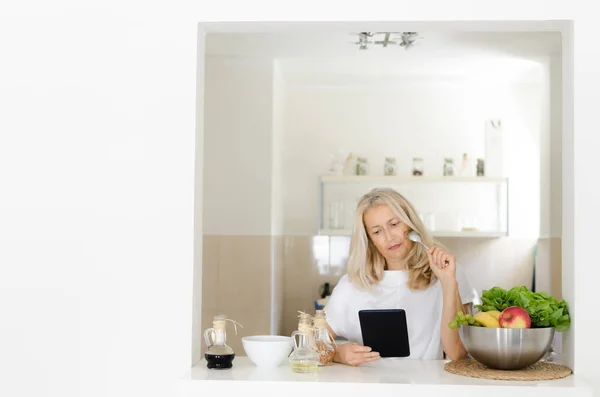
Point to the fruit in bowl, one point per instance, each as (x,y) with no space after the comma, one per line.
(514,317)
(516,308)
(513,329)
(488,319)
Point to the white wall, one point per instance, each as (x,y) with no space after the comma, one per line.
(274,171)
(556,146)
(578,206)
(524,129)
(432,120)
(97,206)
(278,176)
(238,146)
(130,339)
(198,213)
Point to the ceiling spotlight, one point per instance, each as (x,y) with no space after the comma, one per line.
(363,40)
(406,39)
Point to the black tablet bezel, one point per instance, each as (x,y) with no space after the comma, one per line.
(385,331)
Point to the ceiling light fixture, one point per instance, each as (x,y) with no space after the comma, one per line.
(405,39)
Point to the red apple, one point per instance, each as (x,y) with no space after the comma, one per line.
(514,317)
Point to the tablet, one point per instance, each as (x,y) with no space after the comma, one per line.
(385,331)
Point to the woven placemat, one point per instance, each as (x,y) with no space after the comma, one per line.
(538,371)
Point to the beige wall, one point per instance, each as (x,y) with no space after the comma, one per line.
(549,266)
(236,273)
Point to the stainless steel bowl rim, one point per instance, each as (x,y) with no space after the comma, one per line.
(506,348)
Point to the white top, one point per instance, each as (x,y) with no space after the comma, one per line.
(423,309)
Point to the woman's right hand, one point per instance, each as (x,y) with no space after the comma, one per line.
(354,354)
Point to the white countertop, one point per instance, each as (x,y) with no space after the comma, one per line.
(382,376)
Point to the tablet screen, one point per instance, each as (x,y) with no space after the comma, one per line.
(385,331)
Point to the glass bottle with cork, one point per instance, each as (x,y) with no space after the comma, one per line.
(324,342)
(219,355)
(466,167)
(304,357)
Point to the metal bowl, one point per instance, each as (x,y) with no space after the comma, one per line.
(506,348)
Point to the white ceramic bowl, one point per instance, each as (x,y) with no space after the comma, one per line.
(267,351)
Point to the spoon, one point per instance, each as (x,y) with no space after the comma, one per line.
(416,237)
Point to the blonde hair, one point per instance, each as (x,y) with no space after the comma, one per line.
(366,265)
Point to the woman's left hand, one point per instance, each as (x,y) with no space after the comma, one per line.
(443,264)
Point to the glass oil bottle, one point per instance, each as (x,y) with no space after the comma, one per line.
(218,355)
(324,343)
(304,357)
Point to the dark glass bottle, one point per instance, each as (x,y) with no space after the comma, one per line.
(219,355)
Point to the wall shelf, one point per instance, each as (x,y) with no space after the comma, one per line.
(435,233)
(446,204)
(408,179)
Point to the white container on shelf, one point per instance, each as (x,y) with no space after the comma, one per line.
(493,148)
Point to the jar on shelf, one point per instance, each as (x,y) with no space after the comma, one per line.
(389,166)
(417,166)
(449,167)
(480,167)
(362,166)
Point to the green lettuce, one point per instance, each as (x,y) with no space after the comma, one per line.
(544,310)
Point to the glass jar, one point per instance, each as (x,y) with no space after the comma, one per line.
(389,166)
(362,166)
(480,167)
(304,357)
(324,342)
(417,166)
(449,167)
(218,355)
